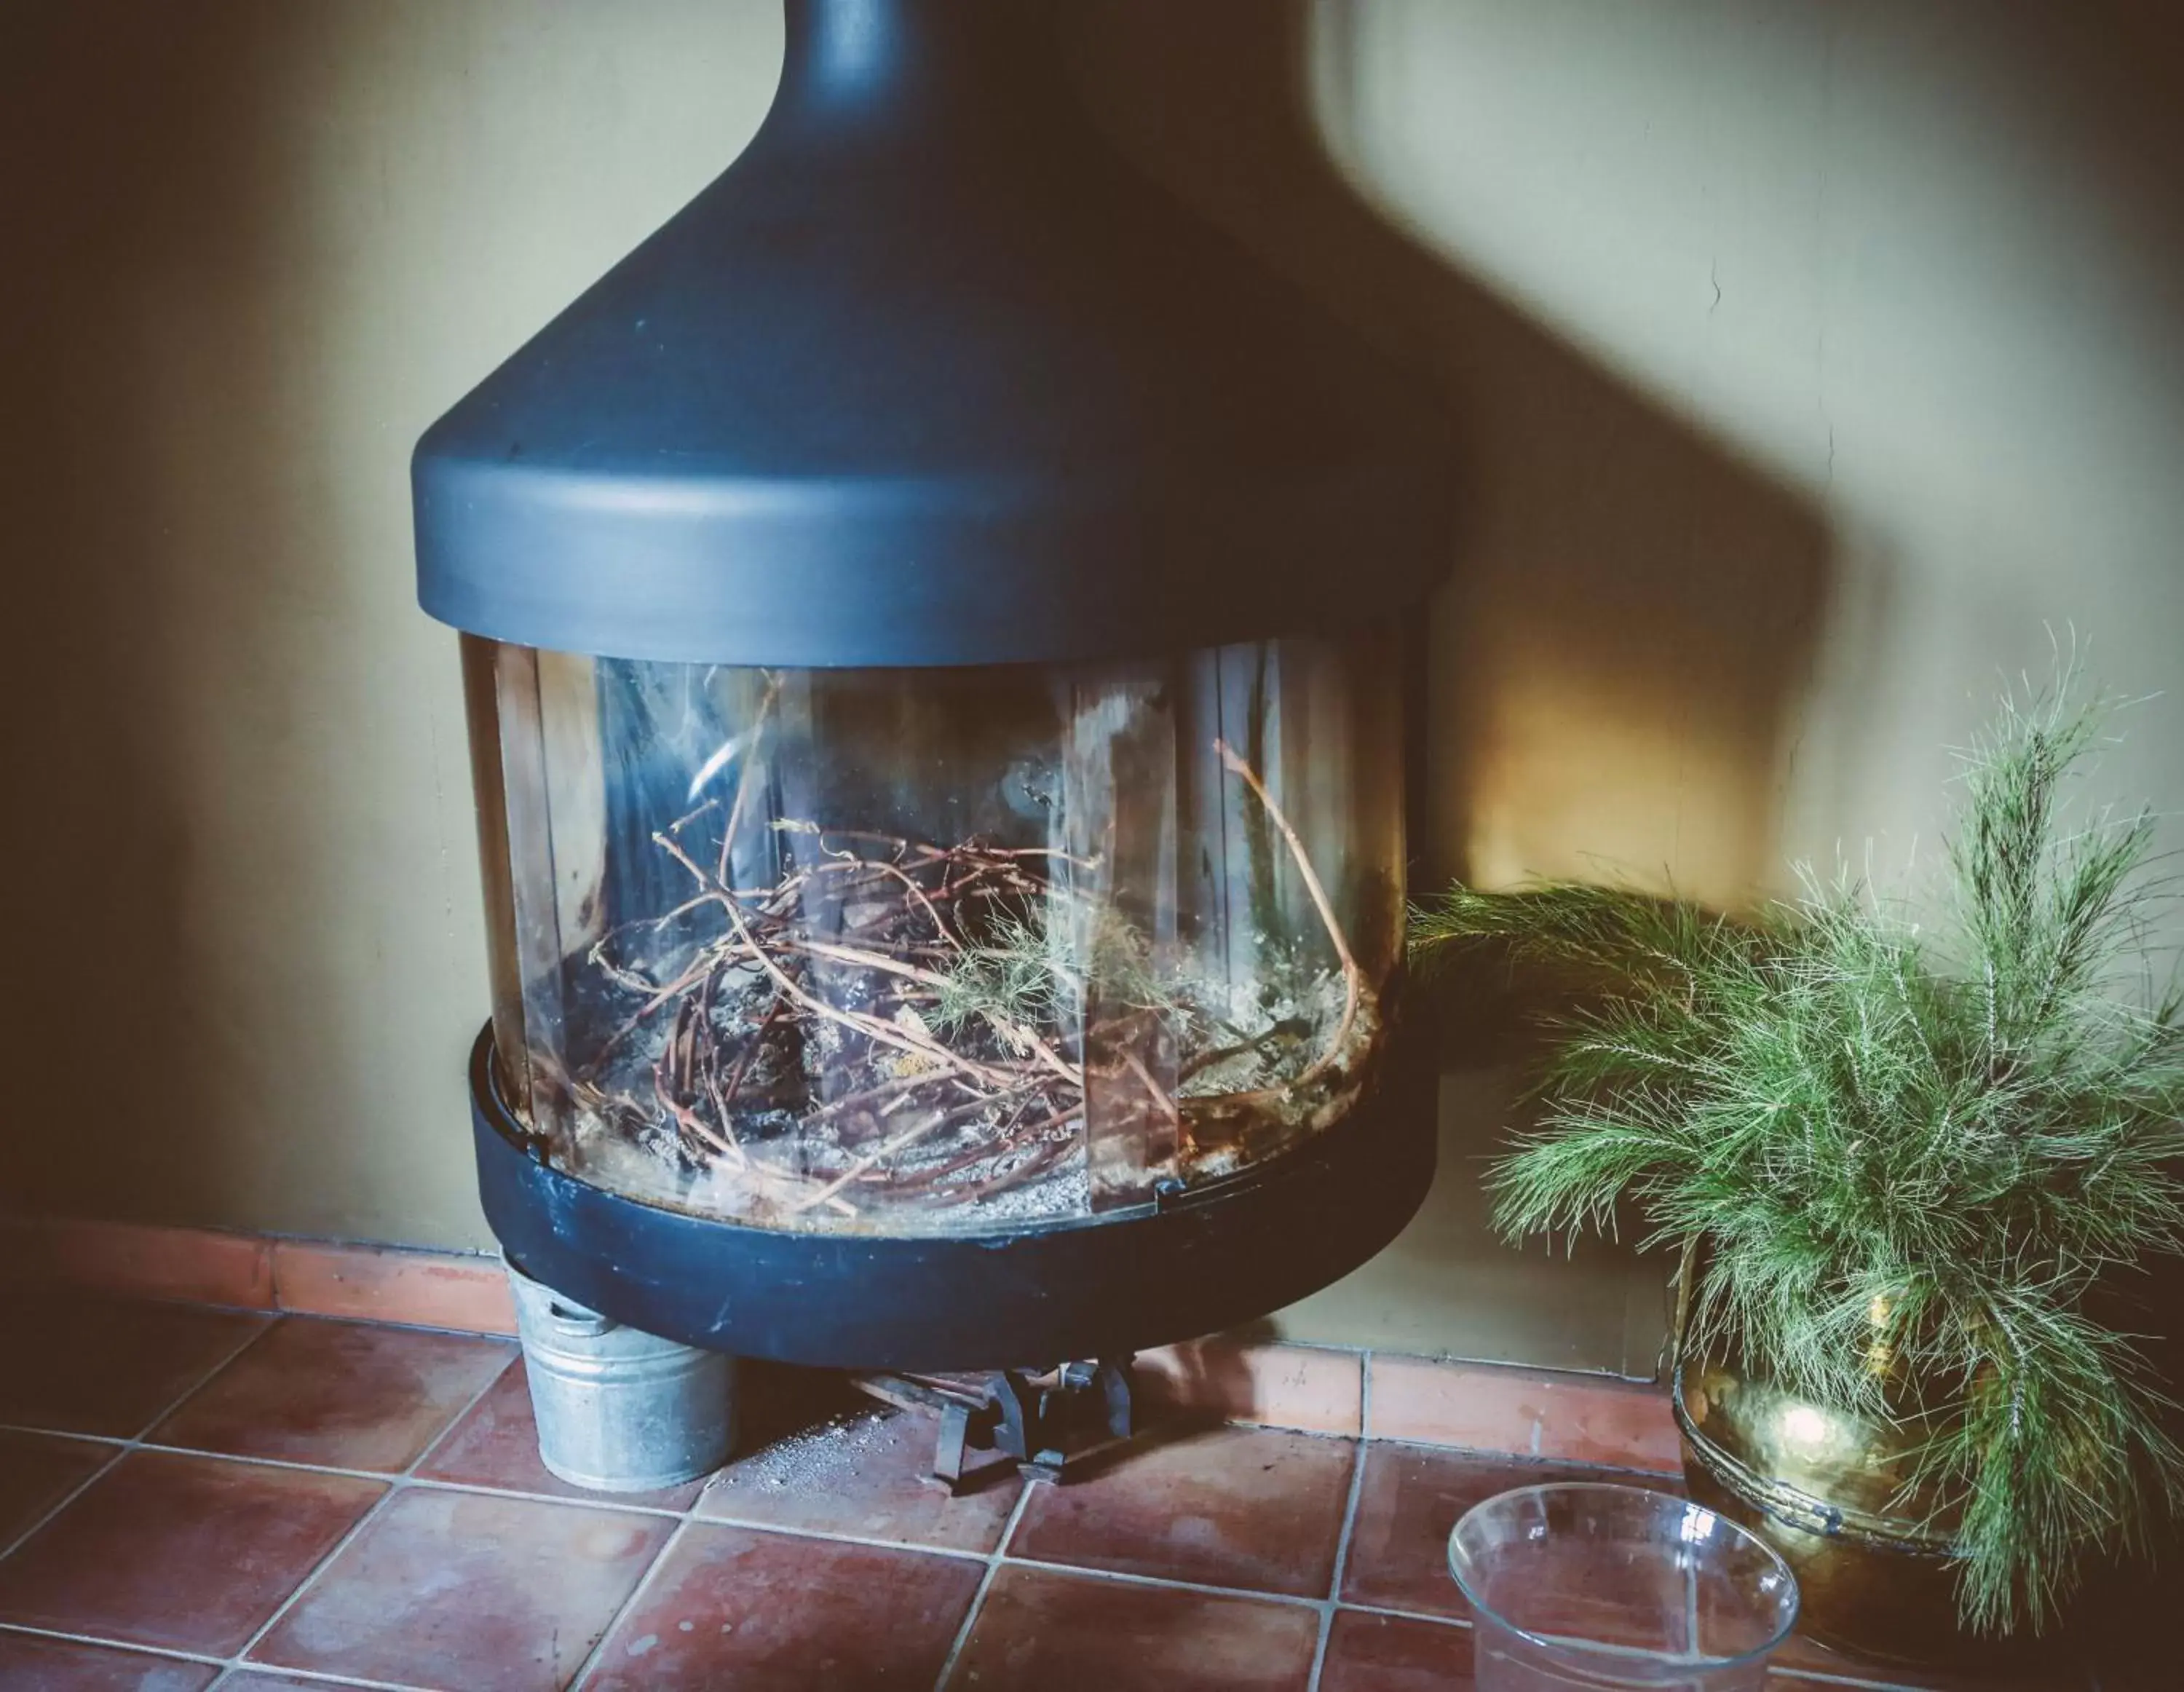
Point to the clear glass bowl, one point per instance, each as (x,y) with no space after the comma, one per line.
(1600,1587)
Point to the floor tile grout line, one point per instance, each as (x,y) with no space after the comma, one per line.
(229,1362)
(123,1445)
(190,1391)
(341,1682)
(478,1398)
(1205,1590)
(227,1669)
(9,1547)
(994,1561)
(955,1553)
(1388,1614)
(378,1508)
(1494,1454)
(684,1519)
(56,1433)
(31,1630)
(597,1655)
(384,1477)
(141,1438)
(487,1266)
(690,1517)
(396,1485)
(275,1312)
(404,1476)
(394,1482)
(408,1478)
(231,1666)
(1018,1511)
(1342,1544)
(1483,1454)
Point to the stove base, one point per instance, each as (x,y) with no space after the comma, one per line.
(1050,1421)
(1206,1260)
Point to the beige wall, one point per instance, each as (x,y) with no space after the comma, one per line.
(1814,358)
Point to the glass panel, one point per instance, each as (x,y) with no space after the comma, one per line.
(914,951)
(482,707)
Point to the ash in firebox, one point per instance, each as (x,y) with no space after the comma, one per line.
(894,1028)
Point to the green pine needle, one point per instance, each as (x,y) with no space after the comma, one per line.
(1964,1124)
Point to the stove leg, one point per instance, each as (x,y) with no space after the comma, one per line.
(1118,1395)
(1045,1419)
(955,1443)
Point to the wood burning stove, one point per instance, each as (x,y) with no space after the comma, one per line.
(934,639)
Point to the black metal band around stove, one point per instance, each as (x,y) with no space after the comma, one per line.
(1199,1263)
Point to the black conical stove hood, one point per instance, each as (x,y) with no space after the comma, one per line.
(929,376)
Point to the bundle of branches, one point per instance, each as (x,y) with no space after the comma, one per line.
(1861,1127)
(925,1035)
(857,1049)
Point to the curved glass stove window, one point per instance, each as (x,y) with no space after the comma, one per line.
(921,951)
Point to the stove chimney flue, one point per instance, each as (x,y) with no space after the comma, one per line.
(929,376)
(877,59)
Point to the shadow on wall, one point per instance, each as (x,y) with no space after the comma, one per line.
(252,979)
(241,972)
(1630,622)
(105,982)
(254,249)
(1617,661)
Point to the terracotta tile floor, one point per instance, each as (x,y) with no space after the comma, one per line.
(193,1499)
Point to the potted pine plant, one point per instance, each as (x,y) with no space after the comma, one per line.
(1903,1149)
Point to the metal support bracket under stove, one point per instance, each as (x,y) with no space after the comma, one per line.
(1045,1419)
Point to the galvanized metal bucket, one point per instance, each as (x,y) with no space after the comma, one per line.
(618,1410)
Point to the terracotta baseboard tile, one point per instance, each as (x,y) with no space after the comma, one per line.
(254,1272)
(137,1260)
(1306,1387)
(390,1283)
(1318,1389)
(1574,1418)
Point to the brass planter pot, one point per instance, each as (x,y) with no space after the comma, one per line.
(1827,1490)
